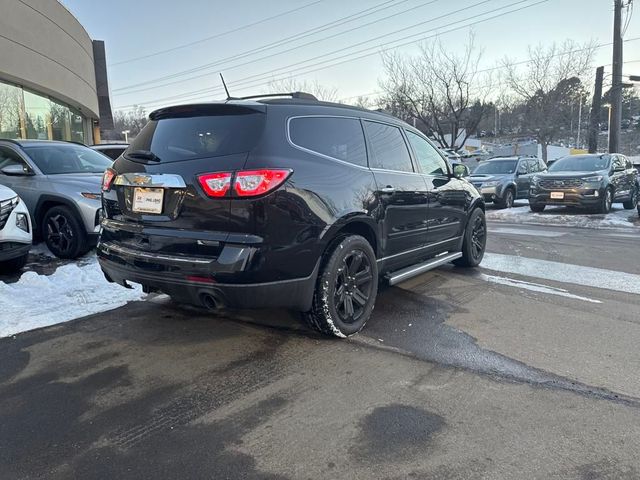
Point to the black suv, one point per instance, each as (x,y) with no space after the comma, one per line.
(592,181)
(287,202)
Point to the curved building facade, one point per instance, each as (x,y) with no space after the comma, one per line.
(53,81)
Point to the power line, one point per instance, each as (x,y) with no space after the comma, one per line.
(327,26)
(251,77)
(218,35)
(268,47)
(349,57)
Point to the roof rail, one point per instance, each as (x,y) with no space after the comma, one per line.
(10,140)
(300,95)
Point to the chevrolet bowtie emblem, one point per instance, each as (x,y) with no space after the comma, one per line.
(141,179)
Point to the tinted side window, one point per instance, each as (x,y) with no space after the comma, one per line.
(429,159)
(9,157)
(340,138)
(388,148)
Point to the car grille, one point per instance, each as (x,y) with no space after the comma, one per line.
(568,183)
(6,208)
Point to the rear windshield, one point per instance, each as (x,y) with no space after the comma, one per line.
(496,167)
(188,138)
(579,163)
(54,159)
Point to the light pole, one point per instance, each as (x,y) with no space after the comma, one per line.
(126,135)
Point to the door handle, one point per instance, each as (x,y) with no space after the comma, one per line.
(388,189)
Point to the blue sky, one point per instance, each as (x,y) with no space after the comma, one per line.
(144,27)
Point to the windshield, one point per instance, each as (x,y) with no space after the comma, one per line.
(53,159)
(496,167)
(579,163)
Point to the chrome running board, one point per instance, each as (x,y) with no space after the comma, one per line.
(414,270)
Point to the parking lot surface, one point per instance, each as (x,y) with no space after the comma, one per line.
(525,368)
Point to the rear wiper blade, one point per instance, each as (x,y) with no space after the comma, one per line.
(143,155)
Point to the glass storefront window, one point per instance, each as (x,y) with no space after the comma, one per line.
(10,101)
(25,114)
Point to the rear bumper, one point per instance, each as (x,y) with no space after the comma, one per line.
(573,198)
(193,279)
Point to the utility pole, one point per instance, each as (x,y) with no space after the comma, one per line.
(579,122)
(616,84)
(594,124)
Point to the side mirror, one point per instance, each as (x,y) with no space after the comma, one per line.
(15,170)
(460,171)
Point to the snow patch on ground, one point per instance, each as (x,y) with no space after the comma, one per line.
(563,216)
(563,272)
(534,287)
(72,291)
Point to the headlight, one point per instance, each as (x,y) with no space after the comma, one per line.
(595,178)
(493,183)
(92,196)
(22,222)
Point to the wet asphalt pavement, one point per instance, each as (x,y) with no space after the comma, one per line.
(455,376)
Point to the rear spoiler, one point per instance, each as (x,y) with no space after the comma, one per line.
(206,109)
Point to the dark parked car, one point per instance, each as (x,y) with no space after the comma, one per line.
(284,202)
(111,150)
(502,180)
(593,181)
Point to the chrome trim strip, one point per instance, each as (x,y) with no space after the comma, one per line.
(153,256)
(413,271)
(424,247)
(165,180)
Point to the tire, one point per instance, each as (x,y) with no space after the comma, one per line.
(633,202)
(606,201)
(508,199)
(346,288)
(537,208)
(64,233)
(14,265)
(475,240)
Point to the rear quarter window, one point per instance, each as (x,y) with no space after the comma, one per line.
(188,138)
(335,137)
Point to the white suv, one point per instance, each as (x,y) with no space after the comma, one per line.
(15,231)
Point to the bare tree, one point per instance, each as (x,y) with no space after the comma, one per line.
(551,79)
(288,85)
(442,93)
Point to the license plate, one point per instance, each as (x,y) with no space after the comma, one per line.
(557,195)
(147,200)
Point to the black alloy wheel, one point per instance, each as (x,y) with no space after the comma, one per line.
(63,233)
(352,287)
(346,288)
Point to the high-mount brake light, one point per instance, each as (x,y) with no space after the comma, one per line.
(249,183)
(215,184)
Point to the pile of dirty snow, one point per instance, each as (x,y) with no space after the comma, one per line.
(72,291)
(563,216)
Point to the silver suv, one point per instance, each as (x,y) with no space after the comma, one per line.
(502,180)
(60,184)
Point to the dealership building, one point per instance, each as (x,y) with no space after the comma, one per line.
(53,76)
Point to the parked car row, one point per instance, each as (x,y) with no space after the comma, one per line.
(592,181)
(59,184)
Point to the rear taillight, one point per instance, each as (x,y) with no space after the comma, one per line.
(107,179)
(215,184)
(247,183)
